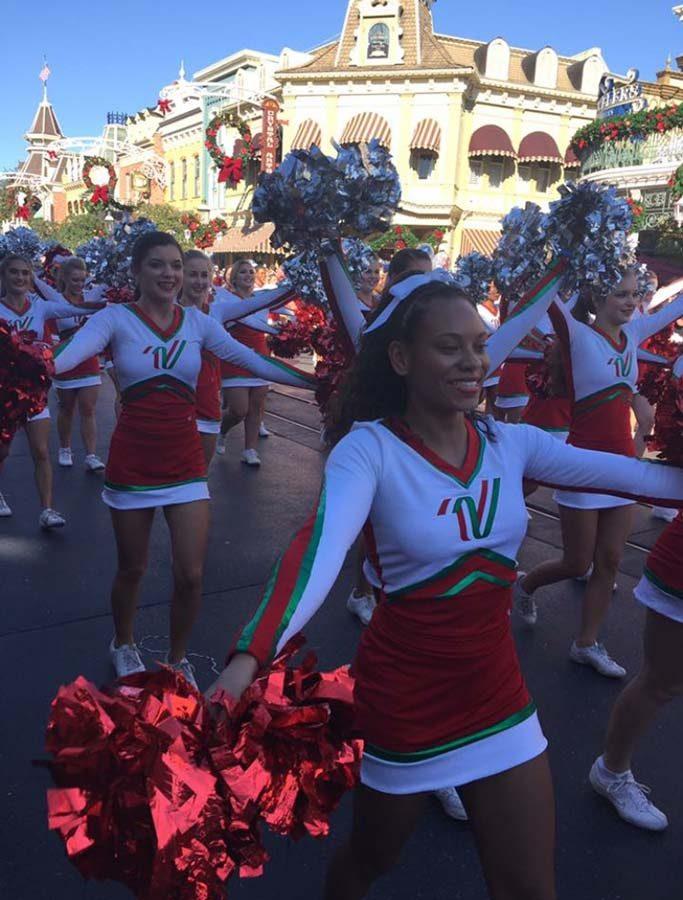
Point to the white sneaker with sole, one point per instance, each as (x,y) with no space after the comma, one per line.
(50,518)
(186,669)
(361,605)
(451,803)
(251,458)
(221,444)
(5,511)
(523,603)
(263,431)
(66,457)
(126,659)
(664,513)
(598,658)
(627,796)
(93,463)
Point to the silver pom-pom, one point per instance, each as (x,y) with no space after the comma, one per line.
(108,258)
(303,273)
(359,258)
(24,242)
(589,226)
(473,275)
(371,188)
(520,258)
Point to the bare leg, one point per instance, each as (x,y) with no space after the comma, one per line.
(132,528)
(614,527)
(513,820)
(65,415)
(382,824)
(189,527)
(87,402)
(208,446)
(38,434)
(257,397)
(659,681)
(236,404)
(579,536)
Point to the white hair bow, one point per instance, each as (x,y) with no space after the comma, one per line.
(405,288)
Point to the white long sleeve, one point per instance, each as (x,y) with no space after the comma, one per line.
(88,341)
(342,297)
(228,307)
(645,326)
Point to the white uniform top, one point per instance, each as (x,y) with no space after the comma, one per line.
(52,295)
(36,312)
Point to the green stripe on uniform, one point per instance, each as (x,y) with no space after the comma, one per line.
(135,488)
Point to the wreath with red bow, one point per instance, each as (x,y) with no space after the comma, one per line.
(203,234)
(22,203)
(232,169)
(102,194)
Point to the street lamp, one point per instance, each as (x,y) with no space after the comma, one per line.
(109,222)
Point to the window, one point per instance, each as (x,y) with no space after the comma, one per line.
(476,168)
(69,207)
(423,162)
(196,176)
(542,179)
(494,171)
(171,187)
(378,41)
(524,172)
(183,179)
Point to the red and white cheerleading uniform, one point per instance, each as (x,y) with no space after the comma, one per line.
(602,378)
(440,697)
(661,587)
(155,456)
(209,395)
(34,316)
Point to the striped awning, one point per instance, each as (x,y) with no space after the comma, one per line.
(571,161)
(307,134)
(365,127)
(539,147)
(427,136)
(491,140)
(245,240)
(479,239)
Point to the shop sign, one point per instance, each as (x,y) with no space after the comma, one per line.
(269,135)
(620,95)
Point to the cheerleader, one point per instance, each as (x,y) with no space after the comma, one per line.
(155,457)
(197,272)
(244,396)
(439,693)
(28,312)
(79,388)
(369,279)
(600,364)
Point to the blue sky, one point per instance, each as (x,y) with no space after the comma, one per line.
(114,55)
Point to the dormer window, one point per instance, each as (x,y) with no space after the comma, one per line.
(378,41)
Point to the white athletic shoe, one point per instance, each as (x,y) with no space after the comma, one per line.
(361,605)
(251,458)
(451,803)
(186,669)
(221,444)
(627,796)
(5,511)
(263,431)
(664,513)
(93,463)
(66,457)
(126,659)
(523,603)
(50,518)
(597,657)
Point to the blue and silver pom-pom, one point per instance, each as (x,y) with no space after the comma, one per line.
(473,275)
(371,188)
(303,273)
(24,242)
(520,258)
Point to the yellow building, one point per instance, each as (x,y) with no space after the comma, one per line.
(474,127)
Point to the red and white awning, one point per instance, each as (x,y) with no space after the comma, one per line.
(491,140)
(365,127)
(571,161)
(427,136)
(308,133)
(539,147)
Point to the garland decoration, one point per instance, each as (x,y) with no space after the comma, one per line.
(401,236)
(232,169)
(203,234)
(676,184)
(638,212)
(632,126)
(102,190)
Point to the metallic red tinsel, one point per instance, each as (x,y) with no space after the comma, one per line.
(155,792)
(26,368)
(667,439)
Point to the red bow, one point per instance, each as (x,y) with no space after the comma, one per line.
(23,212)
(100,195)
(51,155)
(232,170)
(164,106)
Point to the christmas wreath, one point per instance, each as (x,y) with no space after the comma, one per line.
(203,234)
(232,169)
(20,203)
(676,184)
(101,182)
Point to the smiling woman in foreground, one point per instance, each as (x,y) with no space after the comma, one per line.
(440,697)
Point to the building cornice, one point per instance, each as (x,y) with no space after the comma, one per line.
(633,176)
(363,74)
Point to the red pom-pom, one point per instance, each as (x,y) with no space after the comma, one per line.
(295,336)
(668,430)
(155,792)
(26,368)
(119,295)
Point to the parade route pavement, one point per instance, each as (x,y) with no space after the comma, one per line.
(56,625)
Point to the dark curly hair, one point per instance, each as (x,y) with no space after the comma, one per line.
(372,389)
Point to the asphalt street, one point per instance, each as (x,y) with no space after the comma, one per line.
(56,625)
